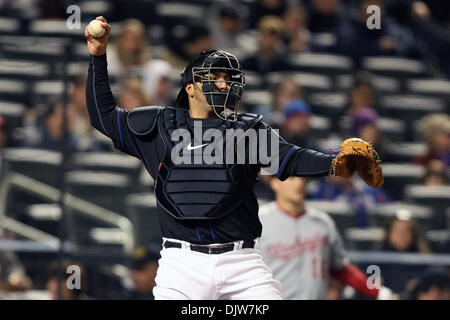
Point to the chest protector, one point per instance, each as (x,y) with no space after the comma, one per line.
(200,191)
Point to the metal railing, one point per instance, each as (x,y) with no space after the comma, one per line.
(49,193)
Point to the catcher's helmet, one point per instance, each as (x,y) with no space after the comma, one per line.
(207,63)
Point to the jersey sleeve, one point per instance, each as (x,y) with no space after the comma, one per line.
(287,159)
(104,114)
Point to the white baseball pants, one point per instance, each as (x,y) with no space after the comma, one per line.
(189,275)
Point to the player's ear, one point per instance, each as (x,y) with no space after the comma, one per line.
(190,89)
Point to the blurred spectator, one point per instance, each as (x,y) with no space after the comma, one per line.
(335,289)
(13,277)
(185,43)
(3,131)
(435,174)
(283,92)
(353,191)
(157,82)
(49,134)
(130,50)
(271,55)
(436,131)
(390,39)
(263,8)
(325,16)
(361,95)
(143,268)
(298,36)
(132,95)
(296,125)
(402,234)
(225,22)
(60,269)
(432,284)
(365,126)
(52,9)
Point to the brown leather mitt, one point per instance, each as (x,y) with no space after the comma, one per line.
(355,154)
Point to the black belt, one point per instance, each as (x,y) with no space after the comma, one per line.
(210,249)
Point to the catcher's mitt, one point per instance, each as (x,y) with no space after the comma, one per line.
(355,154)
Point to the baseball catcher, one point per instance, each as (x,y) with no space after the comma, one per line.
(208,211)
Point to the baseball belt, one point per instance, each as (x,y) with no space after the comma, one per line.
(210,249)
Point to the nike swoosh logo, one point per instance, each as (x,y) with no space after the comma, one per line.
(190,147)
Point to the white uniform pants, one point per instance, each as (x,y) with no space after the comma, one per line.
(240,274)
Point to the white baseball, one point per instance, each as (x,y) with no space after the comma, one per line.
(95,28)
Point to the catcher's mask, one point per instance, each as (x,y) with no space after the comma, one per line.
(223,102)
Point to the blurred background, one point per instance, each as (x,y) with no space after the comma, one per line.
(313,69)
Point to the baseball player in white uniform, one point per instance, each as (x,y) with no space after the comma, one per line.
(303,247)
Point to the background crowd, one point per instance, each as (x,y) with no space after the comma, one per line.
(314,70)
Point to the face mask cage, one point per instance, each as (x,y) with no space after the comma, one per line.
(224,102)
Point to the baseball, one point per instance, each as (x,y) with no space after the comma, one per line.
(95,28)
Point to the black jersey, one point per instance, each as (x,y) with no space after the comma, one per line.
(241,223)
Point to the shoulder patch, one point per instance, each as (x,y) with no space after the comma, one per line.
(142,121)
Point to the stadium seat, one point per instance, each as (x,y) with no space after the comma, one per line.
(380,215)
(405,151)
(14,113)
(9,26)
(253,81)
(384,85)
(320,127)
(409,107)
(108,162)
(46,89)
(439,240)
(432,87)
(394,66)
(106,190)
(257,97)
(23,69)
(341,212)
(309,82)
(95,8)
(436,197)
(14,90)
(56,28)
(328,64)
(45,217)
(398,175)
(41,165)
(330,104)
(143,213)
(170,13)
(363,239)
(39,49)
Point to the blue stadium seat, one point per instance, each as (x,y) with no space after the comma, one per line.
(143,212)
(341,212)
(396,67)
(380,215)
(398,175)
(363,239)
(328,64)
(436,197)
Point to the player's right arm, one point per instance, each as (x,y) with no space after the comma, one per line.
(104,114)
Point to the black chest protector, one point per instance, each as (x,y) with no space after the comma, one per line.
(200,191)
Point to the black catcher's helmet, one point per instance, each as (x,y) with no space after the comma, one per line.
(224,103)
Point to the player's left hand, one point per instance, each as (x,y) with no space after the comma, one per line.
(355,154)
